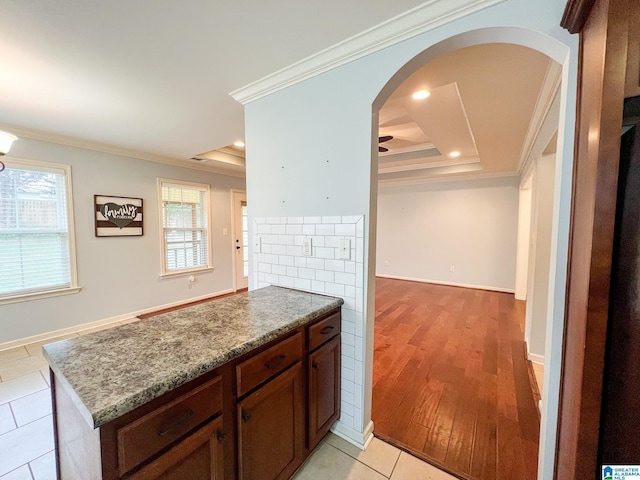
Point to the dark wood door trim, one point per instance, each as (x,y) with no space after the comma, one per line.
(603,54)
(575,14)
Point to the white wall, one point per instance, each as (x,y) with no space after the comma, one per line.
(539,257)
(423,230)
(119,275)
(310,148)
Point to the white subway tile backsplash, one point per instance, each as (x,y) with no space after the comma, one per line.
(279,269)
(278,229)
(285,281)
(325,252)
(334,289)
(348,374)
(281,263)
(346,230)
(286,260)
(347,397)
(345,278)
(302,283)
(334,265)
(348,338)
(285,239)
(270,258)
(278,249)
(294,229)
(326,229)
(309,273)
(345,419)
(317,241)
(317,263)
(325,275)
(332,242)
(349,386)
(348,327)
(350,291)
(264,267)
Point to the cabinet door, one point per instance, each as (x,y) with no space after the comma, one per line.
(324,390)
(198,457)
(271,428)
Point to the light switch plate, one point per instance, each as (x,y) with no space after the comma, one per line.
(345,249)
(306,247)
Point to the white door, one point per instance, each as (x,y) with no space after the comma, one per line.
(240,240)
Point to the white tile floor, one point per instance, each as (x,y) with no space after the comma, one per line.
(26,433)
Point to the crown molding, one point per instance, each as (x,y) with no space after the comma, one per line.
(455,177)
(546,96)
(426,165)
(420,19)
(22,132)
(575,14)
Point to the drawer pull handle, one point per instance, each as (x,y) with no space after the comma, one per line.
(179,422)
(326,329)
(314,365)
(246,416)
(275,362)
(220,436)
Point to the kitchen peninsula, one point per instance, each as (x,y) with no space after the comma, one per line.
(239,387)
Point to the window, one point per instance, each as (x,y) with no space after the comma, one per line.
(185,227)
(37,256)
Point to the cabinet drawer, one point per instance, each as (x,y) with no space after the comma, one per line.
(269,363)
(151,433)
(324,330)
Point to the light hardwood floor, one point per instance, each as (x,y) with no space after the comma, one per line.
(451,382)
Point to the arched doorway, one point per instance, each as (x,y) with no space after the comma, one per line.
(558,53)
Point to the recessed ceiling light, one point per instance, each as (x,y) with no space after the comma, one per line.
(239,144)
(454,154)
(421,94)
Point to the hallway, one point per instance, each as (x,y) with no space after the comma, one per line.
(450,379)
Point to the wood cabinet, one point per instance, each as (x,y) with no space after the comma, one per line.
(256,417)
(324,390)
(271,428)
(198,457)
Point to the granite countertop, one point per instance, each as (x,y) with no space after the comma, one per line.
(111,372)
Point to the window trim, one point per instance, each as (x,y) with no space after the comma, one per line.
(164,273)
(73,287)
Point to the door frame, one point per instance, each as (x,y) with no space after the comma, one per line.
(237,284)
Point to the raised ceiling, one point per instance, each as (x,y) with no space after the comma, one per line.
(486,102)
(154,76)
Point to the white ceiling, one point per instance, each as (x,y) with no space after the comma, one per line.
(483,104)
(154,76)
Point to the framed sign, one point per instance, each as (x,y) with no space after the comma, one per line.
(117,216)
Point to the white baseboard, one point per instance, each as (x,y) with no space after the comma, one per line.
(354,437)
(450,284)
(536,358)
(42,337)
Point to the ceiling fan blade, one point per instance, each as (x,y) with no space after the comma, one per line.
(382,149)
(385,138)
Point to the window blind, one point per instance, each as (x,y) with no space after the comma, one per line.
(185,225)
(34,231)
